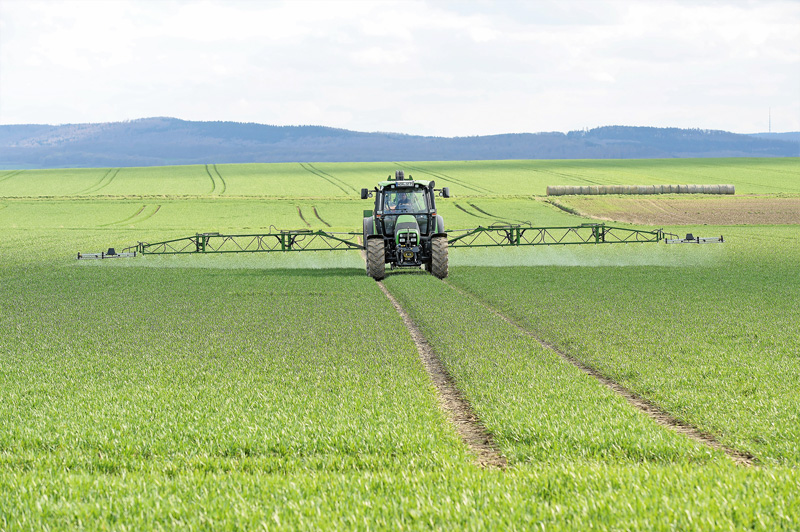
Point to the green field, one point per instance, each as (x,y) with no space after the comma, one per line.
(283,391)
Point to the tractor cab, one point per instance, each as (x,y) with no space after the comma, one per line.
(407,200)
(405,222)
(401,197)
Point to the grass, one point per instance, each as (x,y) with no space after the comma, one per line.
(564,497)
(343,180)
(283,392)
(709,343)
(209,365)
(538,407)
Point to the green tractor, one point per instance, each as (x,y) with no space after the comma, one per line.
(404,230)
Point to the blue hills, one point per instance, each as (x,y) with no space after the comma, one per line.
(170,141)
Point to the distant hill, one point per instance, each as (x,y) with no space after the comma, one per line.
(169,141)
(791,137)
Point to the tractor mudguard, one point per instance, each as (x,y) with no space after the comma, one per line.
(369,228)
(438,229)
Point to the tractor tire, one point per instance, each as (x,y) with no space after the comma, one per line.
(439,267)
(376,259)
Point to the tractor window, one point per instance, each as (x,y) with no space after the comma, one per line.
(405,200)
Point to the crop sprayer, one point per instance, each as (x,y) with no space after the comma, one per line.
(404,230)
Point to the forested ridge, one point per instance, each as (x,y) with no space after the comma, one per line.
(168,141)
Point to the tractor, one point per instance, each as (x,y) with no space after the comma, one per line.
(404,230)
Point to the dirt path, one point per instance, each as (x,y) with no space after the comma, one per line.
(655,412)
(710,210)
(452,402)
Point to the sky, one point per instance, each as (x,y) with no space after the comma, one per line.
(442,68)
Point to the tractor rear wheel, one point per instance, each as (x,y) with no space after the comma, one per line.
(376,259)
(439,267)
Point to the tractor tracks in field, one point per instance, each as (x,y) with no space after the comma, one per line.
(218,184)
(139,216)
(314,208)
(300,214)
(316,215)
(10,175)
(462,209)
(221,180)
(496,217)
(335,181)
(106,180)
(655,412)
(475,188)
(576,178)
(451,400)
(486,213)
(483,214)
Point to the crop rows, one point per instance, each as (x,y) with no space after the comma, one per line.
(538,408)
(284,392)
(709,343)
(128,388)
(474,179)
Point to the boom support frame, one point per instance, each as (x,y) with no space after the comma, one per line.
(527,235)
(310,240)
(302,240)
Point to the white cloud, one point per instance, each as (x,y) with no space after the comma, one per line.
(444,68)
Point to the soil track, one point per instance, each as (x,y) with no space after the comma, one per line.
(655,412)
(338,183)
(213,181)
(504,220)
(300,214)
(439,175)
(716,210)
(462,209)
(9,176)
(318,216)
(219,176)
(457,409)
(136,217)
(106,180)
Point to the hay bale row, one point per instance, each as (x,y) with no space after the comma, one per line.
(563,190)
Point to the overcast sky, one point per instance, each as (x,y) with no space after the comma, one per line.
(449,68)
